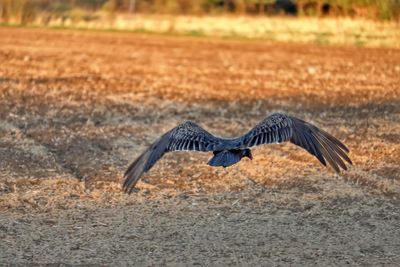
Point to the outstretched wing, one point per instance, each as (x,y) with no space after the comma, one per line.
(280,127)
(186,136)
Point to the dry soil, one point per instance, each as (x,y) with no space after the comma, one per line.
(77,107)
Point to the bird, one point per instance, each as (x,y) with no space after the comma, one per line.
(276,128)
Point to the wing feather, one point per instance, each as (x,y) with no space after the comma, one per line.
(337,148)
(280,127)
(187,136)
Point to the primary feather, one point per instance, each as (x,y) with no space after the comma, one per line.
(276,128)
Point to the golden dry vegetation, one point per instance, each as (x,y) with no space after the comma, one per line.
(344,31)
(77,107)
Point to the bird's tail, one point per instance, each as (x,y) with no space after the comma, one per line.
(224,158)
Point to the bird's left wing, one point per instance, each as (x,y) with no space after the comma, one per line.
(280,127)
(186,136)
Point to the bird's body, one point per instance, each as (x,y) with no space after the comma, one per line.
(276,128)
(226,158)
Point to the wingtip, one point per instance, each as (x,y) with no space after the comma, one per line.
(127,188)
(128,191)
(345,148)
(348,160)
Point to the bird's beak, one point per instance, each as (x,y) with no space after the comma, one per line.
(251,157)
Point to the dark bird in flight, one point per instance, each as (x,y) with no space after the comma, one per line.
(276,128)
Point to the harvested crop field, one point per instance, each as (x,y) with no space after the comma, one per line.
(77,107)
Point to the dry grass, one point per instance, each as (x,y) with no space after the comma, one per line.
(361,32)
(77,107)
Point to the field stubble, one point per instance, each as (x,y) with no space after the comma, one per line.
(328,30)
(77,107)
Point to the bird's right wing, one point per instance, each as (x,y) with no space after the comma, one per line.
(186,136)
(280,127)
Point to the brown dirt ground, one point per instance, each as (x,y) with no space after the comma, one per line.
(77,107)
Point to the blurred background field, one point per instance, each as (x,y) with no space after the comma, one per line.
(356,22)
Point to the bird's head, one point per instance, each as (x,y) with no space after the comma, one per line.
(247,153)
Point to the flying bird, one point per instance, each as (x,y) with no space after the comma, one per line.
(276,128)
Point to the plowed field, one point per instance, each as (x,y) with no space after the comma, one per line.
(77,107)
